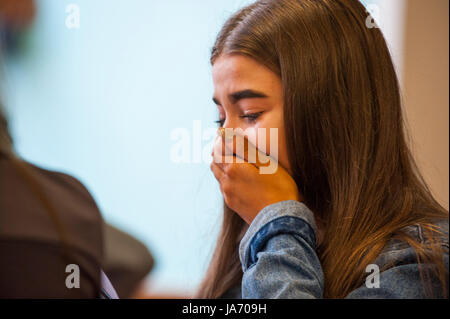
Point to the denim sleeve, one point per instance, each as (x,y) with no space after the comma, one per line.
(404,282)
(278,254)
(279,260)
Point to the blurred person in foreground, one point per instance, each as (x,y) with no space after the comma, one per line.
(51,231)
(51,243)
(50,222)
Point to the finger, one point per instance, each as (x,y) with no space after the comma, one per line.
(220,153)
(242,148)
(223,162)
(232,170)
(217,171)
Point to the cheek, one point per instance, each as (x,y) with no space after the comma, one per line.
(278,149)
(276,146)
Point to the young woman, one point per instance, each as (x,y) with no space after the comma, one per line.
(347,214)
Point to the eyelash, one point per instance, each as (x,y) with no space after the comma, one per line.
(251,118)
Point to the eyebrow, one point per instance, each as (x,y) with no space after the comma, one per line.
(240,95)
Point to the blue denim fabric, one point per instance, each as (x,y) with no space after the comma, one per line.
(279,260)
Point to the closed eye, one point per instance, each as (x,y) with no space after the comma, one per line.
(252,117)
(220,122)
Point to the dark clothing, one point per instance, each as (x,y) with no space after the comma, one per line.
(35,246)
(127,261)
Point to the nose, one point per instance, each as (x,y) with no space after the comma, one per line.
(231,122)
(227,123)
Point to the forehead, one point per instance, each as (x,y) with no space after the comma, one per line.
(238,72)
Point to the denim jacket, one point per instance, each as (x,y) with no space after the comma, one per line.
(279,259)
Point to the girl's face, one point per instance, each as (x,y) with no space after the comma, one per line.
(248,95)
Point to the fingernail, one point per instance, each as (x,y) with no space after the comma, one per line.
(221,131)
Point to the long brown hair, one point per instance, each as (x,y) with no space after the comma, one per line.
(346,137)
